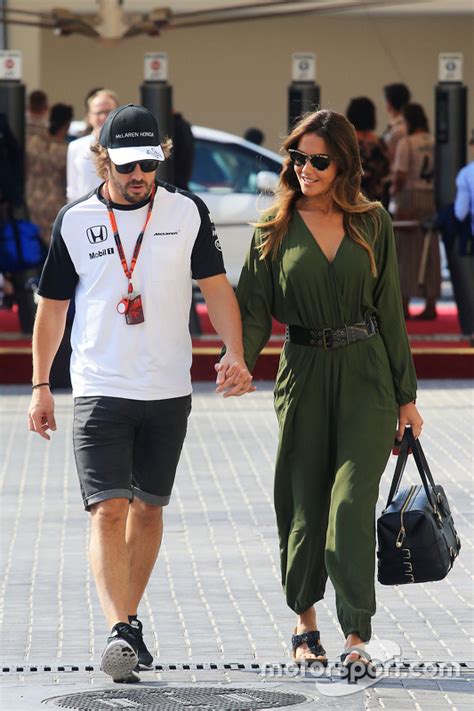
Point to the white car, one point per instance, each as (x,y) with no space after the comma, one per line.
(236,179)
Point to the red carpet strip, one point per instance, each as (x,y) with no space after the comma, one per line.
(439,349)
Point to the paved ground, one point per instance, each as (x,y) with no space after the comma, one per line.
(215,599)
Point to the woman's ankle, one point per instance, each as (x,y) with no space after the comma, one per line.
(306,622)
(354,640)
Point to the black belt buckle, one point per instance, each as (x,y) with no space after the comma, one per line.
(327,333)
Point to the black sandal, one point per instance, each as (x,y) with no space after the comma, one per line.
(312,640)
(357,668)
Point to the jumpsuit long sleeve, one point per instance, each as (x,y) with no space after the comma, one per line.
(336,409)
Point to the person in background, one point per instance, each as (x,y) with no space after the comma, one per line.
(464,201)
(11,192)
(183,151)
(412,199)
(46,156)
(396,97)
(464,213)
(322,261)
(373,153)
(89,95)
(11,173)
(254,135)
(81,173)
(37,113)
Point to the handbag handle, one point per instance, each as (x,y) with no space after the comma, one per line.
(419,454)
(409,441)
(424,470)
(399,469)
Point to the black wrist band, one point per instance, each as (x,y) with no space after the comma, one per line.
(39,385)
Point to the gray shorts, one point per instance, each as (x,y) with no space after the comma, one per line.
(126,448)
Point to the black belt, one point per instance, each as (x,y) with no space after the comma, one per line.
(330,338)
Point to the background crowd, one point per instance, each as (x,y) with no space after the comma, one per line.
(397,164)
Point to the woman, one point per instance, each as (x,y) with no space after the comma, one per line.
(412,199)
(373,153)
(46,170)
(323,261)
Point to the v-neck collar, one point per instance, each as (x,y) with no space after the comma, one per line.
(313,239)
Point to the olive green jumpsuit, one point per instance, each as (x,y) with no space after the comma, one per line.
(337,409)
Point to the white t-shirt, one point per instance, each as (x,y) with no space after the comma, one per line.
(81,175)
(147,361)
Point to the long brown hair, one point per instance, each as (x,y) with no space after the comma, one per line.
(359,213)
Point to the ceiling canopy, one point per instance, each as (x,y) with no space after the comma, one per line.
(110,21)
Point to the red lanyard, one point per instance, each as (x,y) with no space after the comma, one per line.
(113,223)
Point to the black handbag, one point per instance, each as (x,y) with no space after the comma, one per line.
(417,541)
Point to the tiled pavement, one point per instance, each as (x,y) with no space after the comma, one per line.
(215,596)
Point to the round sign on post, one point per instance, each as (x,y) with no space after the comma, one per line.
(156,66)
(303,66)
(450,67)
(10,65)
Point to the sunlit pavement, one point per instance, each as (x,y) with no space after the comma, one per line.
(214,600)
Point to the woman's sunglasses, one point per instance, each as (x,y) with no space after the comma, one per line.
(147,166)
(319,161)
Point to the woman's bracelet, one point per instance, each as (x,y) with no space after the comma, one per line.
(40,385)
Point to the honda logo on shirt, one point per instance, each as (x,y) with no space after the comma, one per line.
(96,234)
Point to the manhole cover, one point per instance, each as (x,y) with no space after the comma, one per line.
(198,698)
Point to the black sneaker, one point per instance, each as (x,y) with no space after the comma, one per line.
(131,678)
(145,659)
(120,657)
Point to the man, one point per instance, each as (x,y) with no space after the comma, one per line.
(183,151)
(254,135)
(37,114)
(131,355)
(81,173)
(464,201)
(46,155)
(11,171)
(462,264)
(396,96)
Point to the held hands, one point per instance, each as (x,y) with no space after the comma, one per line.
(409,415)
(41,412)
(233,378)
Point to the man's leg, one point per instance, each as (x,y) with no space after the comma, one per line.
(157,449)
(104,435)
(144,523)
(110,558)
(110,563)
